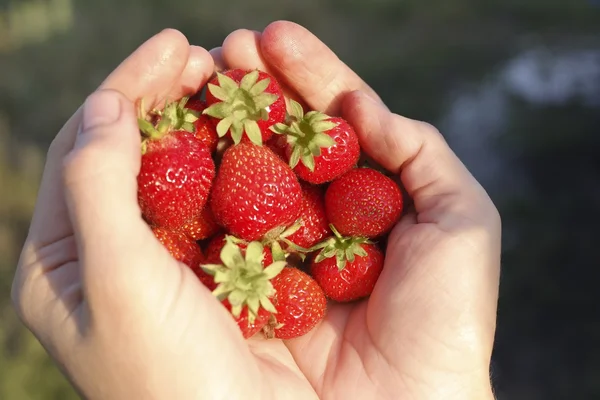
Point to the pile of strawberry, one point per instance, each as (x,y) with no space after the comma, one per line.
(269,209)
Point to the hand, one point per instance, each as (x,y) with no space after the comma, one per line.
(124,320)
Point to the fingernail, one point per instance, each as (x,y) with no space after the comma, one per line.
(101,108)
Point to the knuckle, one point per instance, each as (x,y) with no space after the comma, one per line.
(430,130)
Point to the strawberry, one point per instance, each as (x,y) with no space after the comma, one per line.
(347,268)
(204,128)
(176,173)
(319,147)
(244,281)
(245,104)
(314,226)
(213,255)
(203,226)
(363,202)
(248,328)
(254,192)
(300,305)
(183,250)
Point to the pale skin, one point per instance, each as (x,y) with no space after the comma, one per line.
(124,320)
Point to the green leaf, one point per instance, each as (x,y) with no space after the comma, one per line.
(316,116)
(296,110)
(295,157)
(274,269)
(237,130)
(323,126)
(223,126)
(340,261)
(359,250)
(265,302)
(237,297)
(231,254)
(253,132)
(188,127)
(277,251)
(211,268)
(249,80)
(218,110)
(253,304)
(265,100)
(264,114)
(236,310)
(254,252)
(349,254)
(260,87)
(323,140)
(279,128)
(218,92)
(309,161)
(227,83)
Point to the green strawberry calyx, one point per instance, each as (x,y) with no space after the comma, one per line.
(306,134)
(274,237)
(241,106)
(344,248)
(243,280)
(158,123)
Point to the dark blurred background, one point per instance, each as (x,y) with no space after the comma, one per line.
(514,85)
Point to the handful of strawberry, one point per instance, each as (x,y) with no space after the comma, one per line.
(268,207)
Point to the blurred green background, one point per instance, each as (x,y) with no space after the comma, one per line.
(514,85)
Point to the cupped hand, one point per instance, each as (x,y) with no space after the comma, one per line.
(124,320)
(427,330)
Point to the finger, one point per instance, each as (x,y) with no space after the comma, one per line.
(309,67)
(217,55)
(100,178)
(440,185)
(241,49)
(198,69)
(151,71)
(441,278)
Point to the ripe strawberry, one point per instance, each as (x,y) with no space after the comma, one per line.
(314,226)
(204,128)
(300,305)
(183,250)
(245,102)
(347,268)
(319,147)
(363,202)
(248,328)
(254,192)
(203,226)
(176,173)
(244,282)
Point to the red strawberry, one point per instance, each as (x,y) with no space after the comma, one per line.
(254,192)
(183,250)
(203,226)
(363,202)
(319,147)
(314,226)
(175,176)
(205,129)
(245,104)
(245,282)
(347,268)
(300,305)
(248,328)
